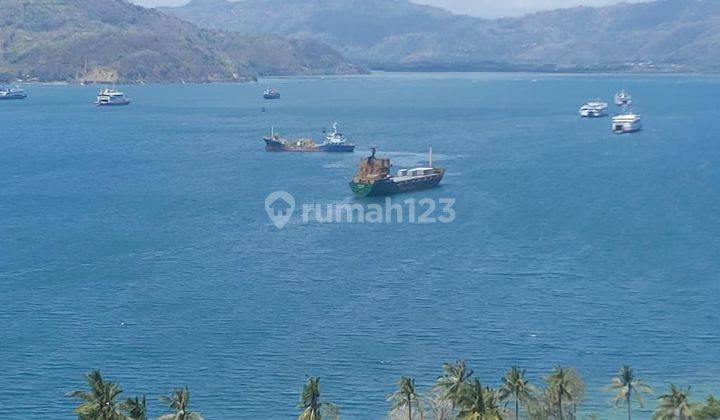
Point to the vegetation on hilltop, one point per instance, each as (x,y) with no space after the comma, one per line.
(113,40)
(664,35)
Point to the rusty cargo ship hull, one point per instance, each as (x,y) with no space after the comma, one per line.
(392,186)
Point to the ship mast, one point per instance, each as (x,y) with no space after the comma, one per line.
(430,158)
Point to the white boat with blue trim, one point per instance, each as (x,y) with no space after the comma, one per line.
(111,97)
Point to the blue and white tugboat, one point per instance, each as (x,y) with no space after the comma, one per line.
(335,142)
(12,93)
(111,97)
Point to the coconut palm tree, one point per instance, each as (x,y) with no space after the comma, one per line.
(675,405)
(577,390)
(626,387)
(438,407)
(543,404)
(311,406)
(100,402)
(515,386)
(178,401)
(136,408)
(453,381)
(478,403)
(708,411)
(406,397)
(565,386)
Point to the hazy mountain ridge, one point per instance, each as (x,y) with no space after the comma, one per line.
(107,40)
(661,35)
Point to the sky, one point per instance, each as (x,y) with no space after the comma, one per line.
(481,8)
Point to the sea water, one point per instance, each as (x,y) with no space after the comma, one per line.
(135,240)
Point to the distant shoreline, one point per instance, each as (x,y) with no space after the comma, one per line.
(380,71)
(632,68)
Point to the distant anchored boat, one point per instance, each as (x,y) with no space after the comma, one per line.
(271,94)
(111,97)
(334,142)
(373,177)
(627,122)
(623,98)
(594,109)
(12,93)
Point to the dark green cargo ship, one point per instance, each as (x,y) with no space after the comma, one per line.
(373,177)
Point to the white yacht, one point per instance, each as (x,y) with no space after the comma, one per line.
(12,93)
(594,109)
(109,97)
(623,98)
(627,122)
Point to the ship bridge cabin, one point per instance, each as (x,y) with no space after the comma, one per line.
(372,169)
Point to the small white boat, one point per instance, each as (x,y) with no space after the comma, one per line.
(623,98)
(628,122)
(12,93)
(111,97)
(271,94)
(594,109)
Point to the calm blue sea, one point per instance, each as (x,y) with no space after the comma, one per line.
(135,240)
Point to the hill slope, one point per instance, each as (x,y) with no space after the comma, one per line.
(113,40)
(669,34)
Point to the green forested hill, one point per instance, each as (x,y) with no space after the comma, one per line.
(670,35)
(113,40)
